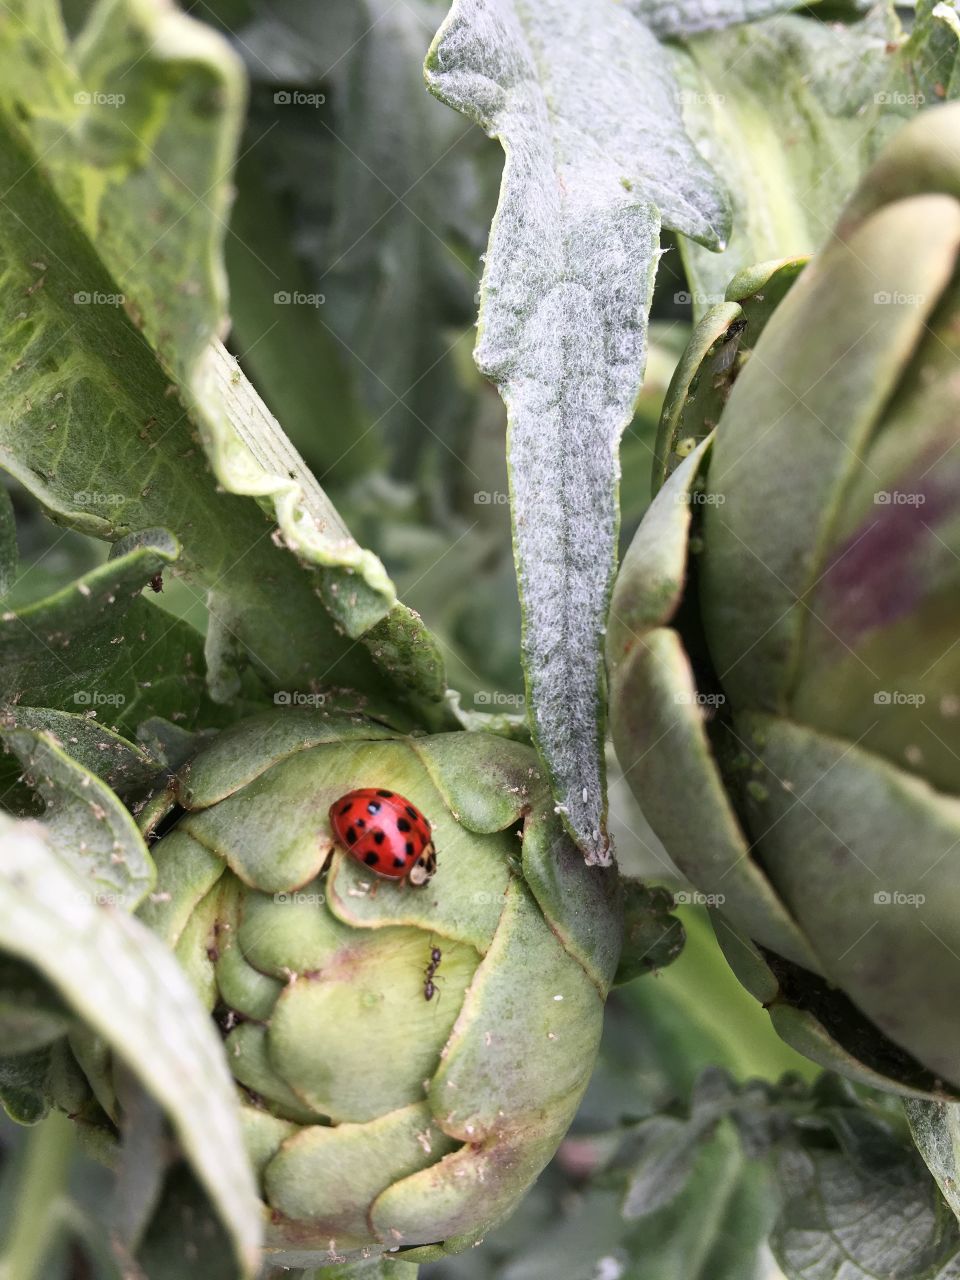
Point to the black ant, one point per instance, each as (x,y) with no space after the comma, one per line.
(429,988)
(156,582)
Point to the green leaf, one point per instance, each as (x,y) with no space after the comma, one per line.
(98,646)
(87,824)
(129,988)
(375,1269)
(8,544)
(115,153)
(669,1148)
(252,456)
(597,158)
(843,1219)
(664,1247)
(653,938)
(669,20)
(936,1131)
(125,767)
(837,91)
(31,1015)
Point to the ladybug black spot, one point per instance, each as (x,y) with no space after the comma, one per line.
(360,823)
(351,835)
(403,824)
(399,862)
(372,859)
(409,848)
(412,812)
(378,837)
(346,808)
(373,806)
(387,795)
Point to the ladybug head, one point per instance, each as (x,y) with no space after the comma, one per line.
(424,868)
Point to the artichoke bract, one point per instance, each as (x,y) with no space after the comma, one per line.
(381,1116)
(784,646)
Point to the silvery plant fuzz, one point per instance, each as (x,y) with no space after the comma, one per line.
(783,652)
(408,1049)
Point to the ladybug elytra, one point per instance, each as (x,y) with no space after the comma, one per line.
(386,833)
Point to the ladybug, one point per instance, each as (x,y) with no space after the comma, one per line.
(386,833)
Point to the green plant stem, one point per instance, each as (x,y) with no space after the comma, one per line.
(42,1176)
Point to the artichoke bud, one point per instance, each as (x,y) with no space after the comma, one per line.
(408,1055)
(801,674)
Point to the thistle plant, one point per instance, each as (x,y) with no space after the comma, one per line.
(331,335)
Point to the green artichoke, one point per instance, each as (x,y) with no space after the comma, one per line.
(784,646)
(379,1119)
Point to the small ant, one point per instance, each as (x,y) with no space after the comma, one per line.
(156,582)
(429,988)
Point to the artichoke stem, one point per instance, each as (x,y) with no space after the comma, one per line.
(36,1219)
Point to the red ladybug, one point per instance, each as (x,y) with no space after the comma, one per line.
(386,833)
